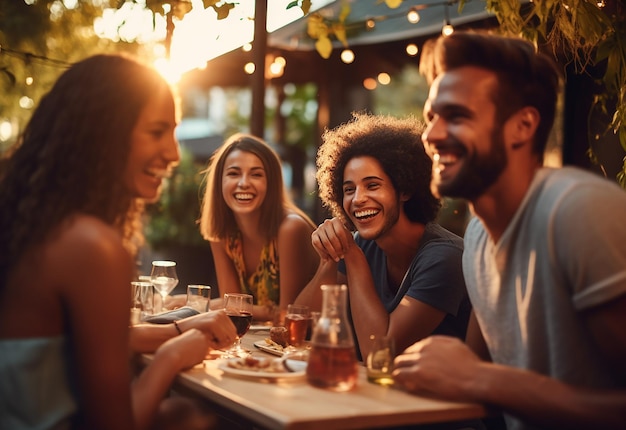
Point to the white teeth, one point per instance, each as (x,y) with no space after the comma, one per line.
(446,159)
(158,173)
(368,212)
(243,196)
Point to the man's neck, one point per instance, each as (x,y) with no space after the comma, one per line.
(498,205)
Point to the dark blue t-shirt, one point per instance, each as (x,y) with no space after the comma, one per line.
(435,277)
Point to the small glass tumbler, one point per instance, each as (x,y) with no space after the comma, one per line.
(199,297)
(142,301)
(297,322)
(380,360)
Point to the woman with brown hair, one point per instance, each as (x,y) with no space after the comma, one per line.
(261,241)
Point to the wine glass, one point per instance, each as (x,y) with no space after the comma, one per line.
(239,309)
(164,278)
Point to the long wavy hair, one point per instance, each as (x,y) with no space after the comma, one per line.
(396,144)
(217,220)
(72,155)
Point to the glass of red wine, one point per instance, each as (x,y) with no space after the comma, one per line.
(239,309)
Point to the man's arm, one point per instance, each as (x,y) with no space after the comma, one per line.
(330,239)
(448,368)
(474,339)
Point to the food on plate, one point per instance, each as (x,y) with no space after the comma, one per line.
(276,347)
(279,336)
(258,364)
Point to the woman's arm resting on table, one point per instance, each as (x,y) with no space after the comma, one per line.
(152,384)
(219,329)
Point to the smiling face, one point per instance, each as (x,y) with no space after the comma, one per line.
(244,182)
(369,197)
(153,147)
(462,137)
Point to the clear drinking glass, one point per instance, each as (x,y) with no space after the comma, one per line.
(198,297)
(239,308)
(379,361)
(164,278)
(142,301)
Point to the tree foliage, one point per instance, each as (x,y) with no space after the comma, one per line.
(585,32)
(40,39)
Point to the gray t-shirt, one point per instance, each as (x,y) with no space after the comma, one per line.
(563,252)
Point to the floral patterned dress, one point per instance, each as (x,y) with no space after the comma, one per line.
(264,283)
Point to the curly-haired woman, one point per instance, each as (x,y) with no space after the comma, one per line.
(71,196)
(261,241)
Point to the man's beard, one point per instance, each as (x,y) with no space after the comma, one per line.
(477,173)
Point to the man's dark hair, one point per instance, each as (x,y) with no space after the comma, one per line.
(526,77)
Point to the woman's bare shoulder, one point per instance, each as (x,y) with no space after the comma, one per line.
(87,240)
(294,223)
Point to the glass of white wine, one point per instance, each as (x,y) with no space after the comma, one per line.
(164,278)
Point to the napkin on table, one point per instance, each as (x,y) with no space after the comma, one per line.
(171,316)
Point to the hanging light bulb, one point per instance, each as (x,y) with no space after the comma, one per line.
(29,80)
(370,83)
(249,68)
(413,16)
(370,24)
(384,78)
(347,56)
(412,49)
(447,29)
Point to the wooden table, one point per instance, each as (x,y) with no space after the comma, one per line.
(295,405)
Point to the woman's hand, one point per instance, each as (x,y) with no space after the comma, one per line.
(184,351)
(216,325)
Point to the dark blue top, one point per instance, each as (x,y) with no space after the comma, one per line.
(435,277)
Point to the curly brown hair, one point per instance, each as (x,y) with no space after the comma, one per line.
(72,155)
(396,143)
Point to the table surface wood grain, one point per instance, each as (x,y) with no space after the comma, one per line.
(293,404)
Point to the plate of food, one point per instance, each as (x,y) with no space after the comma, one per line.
(263,368)
(268,345)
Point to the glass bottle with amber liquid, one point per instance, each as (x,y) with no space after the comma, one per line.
(332,360)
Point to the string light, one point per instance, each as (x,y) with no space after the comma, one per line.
(412,49)
(447,29)
(347,56)
(384,78)
(413,16)
(370,84)
(249,68)
(29,57)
